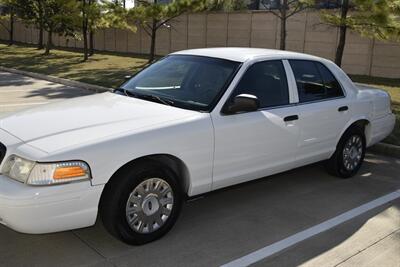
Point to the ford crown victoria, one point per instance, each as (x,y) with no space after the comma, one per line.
(193,122)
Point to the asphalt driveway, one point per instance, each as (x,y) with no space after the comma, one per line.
(19,92)
(226,225)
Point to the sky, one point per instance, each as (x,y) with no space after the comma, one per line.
(129,3)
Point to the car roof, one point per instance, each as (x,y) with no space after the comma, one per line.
(240,54)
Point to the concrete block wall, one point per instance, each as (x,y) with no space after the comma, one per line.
(305,33)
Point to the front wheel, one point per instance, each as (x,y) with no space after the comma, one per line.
(141,204)
(349,154)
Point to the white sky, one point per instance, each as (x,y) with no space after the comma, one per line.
(129,3)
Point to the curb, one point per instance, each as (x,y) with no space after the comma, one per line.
(385,150)
(86,86)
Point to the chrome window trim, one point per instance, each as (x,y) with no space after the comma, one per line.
(302,103)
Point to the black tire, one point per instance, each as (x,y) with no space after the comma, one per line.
(113,203)
(336,164)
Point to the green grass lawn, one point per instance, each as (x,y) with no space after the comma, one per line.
(105,69)
(109,69)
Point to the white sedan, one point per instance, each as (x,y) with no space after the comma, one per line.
(195,121)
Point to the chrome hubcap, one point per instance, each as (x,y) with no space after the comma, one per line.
(149,205)
(352,152)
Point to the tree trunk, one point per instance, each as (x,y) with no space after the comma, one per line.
(91,43)
(342,33)
(41,31)
(84,31)
(282,45)
(283,18)
(40,42)
(153,41)
(91,31)
(11,32)
(49,42)
(85,46)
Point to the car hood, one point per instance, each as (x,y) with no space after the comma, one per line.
(83,119)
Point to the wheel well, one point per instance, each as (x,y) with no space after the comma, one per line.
(365,126)
(174,163)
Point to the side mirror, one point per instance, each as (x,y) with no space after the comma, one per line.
(242,103)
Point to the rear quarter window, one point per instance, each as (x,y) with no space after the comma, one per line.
(314,81)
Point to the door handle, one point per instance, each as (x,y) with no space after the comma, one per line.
(344,108)
(291,118)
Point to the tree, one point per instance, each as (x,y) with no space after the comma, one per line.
(32,12)
(101,15)
(95,21)
(92,18)
(284,9)
(226,5)
(152,16)
(7,18)
(85,24)
(59,16)
(372,18)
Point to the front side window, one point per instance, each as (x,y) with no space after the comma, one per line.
(314,81)
(267,81)
(191,82)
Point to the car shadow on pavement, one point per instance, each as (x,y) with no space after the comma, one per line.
(7,78)
(226,224)
(60,92)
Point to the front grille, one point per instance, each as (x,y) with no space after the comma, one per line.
(3,150)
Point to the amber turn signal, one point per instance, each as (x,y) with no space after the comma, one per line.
(69,172)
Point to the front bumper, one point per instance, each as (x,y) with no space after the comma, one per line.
(47,209)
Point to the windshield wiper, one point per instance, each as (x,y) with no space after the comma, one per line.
(125,92)
(155,98)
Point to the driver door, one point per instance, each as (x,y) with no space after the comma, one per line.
(255,144)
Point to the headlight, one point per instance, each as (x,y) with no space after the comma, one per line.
(34,173)
(17,168)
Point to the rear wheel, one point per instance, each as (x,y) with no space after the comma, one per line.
(349,154)
(142,203)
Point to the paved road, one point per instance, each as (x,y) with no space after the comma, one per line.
(231,223)
(19,92)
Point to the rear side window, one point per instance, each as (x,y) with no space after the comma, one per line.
(267,81)
(332,86)
(314,81)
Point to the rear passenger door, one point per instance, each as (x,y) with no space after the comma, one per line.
(323,110)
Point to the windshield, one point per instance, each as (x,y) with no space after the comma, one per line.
(191,82)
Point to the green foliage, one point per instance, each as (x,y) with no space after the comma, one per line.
(9,9)
(372,18)
(30,11)
(114,14)
(289,8)
(226,5)
(93,11)
(58,16)
(151,16)
(61,16)
(147,13)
